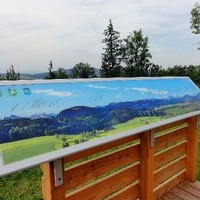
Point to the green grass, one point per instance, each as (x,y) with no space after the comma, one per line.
(25,185)
(22,149)
(131,124)
(14,155)
(15,151)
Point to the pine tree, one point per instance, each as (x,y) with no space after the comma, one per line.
(11,74)
(111,57)
(51,73)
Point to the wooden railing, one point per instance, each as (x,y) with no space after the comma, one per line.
(134,167)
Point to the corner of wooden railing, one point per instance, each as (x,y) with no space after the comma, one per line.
(192,149)
(47,180)
(146,165)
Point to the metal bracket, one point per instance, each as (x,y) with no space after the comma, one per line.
(58,172)
(152,138)
(1,160)
(198,121)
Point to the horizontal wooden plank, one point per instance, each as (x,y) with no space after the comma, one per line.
(170,126)
(166,186)
(130,192)
(92,169)
(106,186)
(168,155)
(169,171)
(99,148)
(163,141)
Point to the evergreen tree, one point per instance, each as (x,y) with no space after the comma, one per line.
(136,55)
(11,74)
(111,57)
(51,74)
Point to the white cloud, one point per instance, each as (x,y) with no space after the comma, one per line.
(103,87)
(53,93)
(150,91)
(138,89)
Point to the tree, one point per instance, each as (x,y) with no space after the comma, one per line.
(11,74)
(83,70)
(111,57)
(65,143)
(195,19)
(136,55)
(51,74)
(59,74)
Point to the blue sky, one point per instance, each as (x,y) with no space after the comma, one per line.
(26,100)
(34,32)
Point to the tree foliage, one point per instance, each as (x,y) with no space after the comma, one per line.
(82,70)
(136,55)
(111,57)
(11,74)
(59,74)
(178,70)
(195,19)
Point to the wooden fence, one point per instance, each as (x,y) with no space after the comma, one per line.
(138,166)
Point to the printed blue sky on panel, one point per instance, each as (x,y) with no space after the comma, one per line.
(27,100)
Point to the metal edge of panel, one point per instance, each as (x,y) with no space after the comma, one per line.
(80,80)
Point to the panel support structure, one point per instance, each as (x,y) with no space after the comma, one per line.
(1,160)
(152,138)
(198,121)
(58,172)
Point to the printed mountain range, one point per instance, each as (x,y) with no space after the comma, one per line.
(80,119)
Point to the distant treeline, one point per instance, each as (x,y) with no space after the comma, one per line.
(178,70)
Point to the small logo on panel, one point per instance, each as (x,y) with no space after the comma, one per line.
(12,92)
(27,91)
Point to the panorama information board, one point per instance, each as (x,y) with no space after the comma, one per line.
(44,120)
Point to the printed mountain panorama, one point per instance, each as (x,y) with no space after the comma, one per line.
(81,119)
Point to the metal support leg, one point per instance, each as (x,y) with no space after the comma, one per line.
(58,172)
(198,121)
(152,138)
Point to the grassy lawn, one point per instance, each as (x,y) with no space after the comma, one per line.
(19,150)
(25,185)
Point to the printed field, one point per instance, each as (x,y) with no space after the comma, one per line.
(19,150)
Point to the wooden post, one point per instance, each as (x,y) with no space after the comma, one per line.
(49,191)
(192,149)
(47,181)
(146,166)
